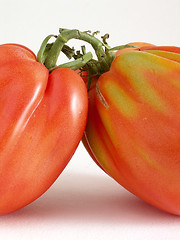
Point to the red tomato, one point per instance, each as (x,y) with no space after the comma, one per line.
(42,120)
(133,128)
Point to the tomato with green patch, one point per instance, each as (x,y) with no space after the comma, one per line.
(133,127)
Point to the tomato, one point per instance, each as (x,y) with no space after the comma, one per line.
(133,127)
(43,117)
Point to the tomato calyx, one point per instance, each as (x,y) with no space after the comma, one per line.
(47,49)
(49,52)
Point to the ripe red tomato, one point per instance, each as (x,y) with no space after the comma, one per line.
(133,128)
(42,120)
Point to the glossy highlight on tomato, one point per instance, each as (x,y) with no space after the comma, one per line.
(133,127)
(43,117)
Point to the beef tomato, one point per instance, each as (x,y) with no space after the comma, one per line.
(133,127)
(43,117)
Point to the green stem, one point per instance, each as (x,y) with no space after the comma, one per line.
(41,53)
(122,47)
(76,64)
(49,53)
(65,35)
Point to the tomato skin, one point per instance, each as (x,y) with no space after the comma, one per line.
(43,118)
(10,52)
(133,127)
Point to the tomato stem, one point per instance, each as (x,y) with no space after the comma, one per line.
(76,64)
(49,53)
(43,49)
(65,35)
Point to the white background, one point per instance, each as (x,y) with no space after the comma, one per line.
(84,203)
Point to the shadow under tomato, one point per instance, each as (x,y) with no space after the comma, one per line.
(91,199)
